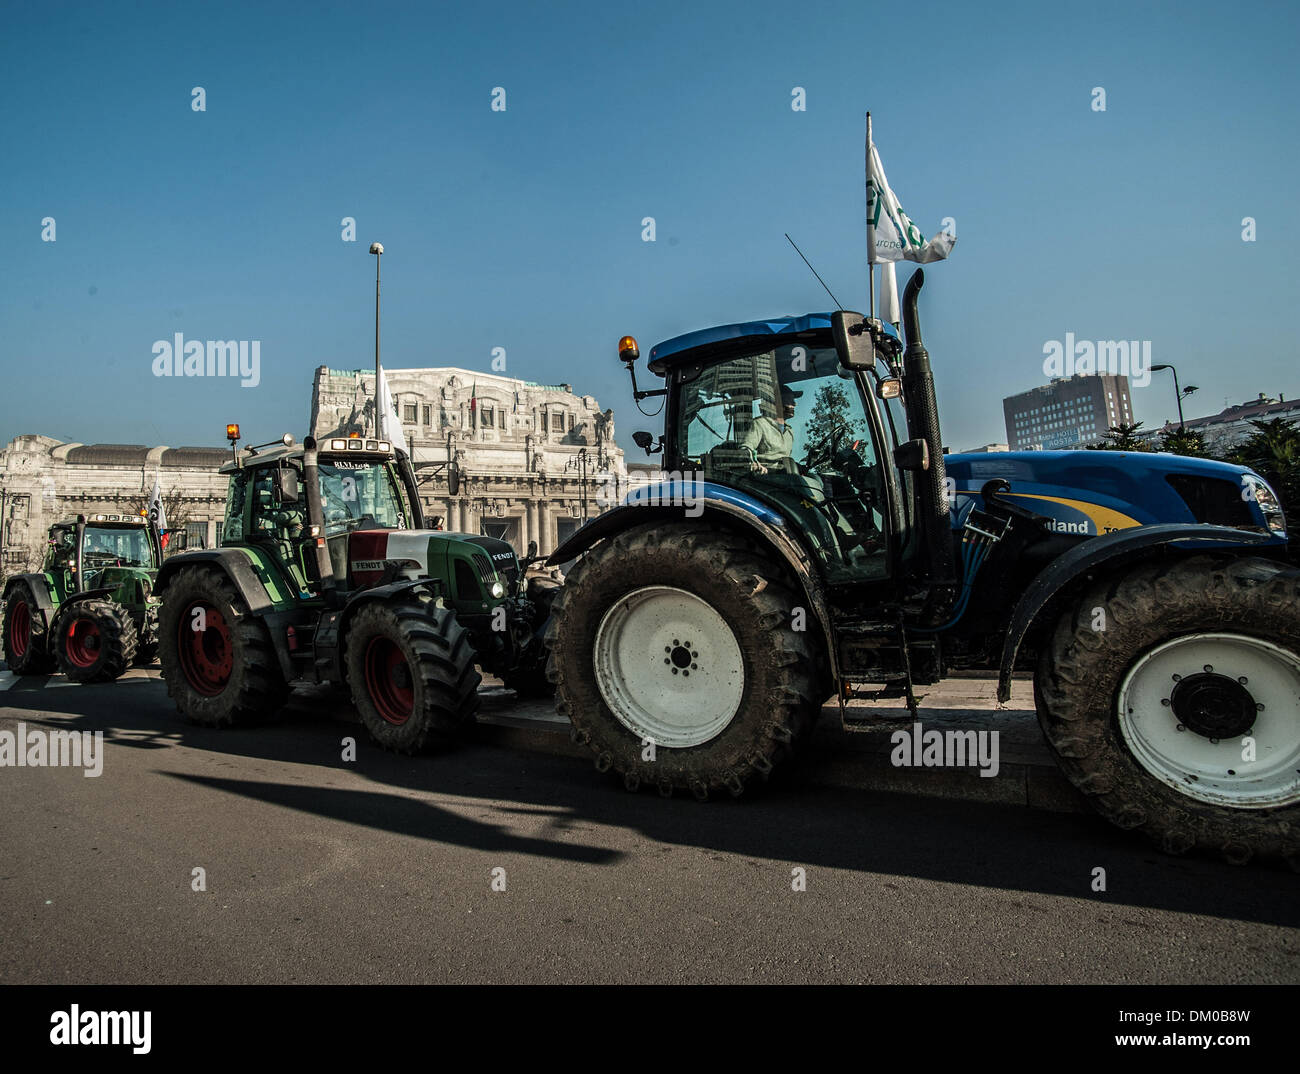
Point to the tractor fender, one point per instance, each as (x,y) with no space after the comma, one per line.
(240,571)
(232,563)
(737,512)
(40,588)
(1085,558)
(333,626)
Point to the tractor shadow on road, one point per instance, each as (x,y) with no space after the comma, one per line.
(1006,847)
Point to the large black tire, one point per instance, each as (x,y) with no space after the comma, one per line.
(226,673)
(26,642)
(94,640)
(411,669)
(779,690)
(1082,671)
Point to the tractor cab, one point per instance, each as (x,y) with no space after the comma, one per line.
(768,409)
(101,551)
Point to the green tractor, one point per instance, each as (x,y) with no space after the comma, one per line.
(326,574)
(91,611)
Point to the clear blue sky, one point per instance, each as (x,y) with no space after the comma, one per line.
(522,229)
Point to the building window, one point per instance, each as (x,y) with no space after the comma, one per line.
(408,413)
(573,418)
(489,418)
(196,535)
(428,415)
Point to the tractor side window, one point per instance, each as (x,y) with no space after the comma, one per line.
(232,529)
(790,426)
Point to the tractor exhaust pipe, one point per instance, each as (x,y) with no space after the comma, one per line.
(79,576)
(406,472)
(931,484)
(316,521)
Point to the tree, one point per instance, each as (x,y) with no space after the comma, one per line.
(830,425)
(1184,442)
(1122,438)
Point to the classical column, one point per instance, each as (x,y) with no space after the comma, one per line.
(544,542)
(530,523)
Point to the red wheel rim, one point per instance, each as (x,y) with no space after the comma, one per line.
(83,642)
(207,655)
(388,681)
(20,628)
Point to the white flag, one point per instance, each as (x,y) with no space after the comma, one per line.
(157,513)
(893,236)
(389,427)
(889,294)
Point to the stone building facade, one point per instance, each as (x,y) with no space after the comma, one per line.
(43,481)
(535,459)
(531,456)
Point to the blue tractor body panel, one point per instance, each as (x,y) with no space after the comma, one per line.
(1089,493)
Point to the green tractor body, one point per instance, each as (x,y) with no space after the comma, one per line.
(91,611)
(326,574)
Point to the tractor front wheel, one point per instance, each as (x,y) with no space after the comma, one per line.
(677,657)
(217,658)
(411,670)
(25,647)
(1171,698)
(94,640)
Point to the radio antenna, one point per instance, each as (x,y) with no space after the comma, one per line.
(838,306)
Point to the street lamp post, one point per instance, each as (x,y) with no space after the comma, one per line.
(377,248)
(1178,392)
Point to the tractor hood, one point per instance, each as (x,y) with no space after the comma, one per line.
(379,555)
(1087,493)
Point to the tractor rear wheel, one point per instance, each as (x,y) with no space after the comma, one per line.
(675,657)
(411,670)
(25,643)
(94,640)
(217,658)
(1171,698)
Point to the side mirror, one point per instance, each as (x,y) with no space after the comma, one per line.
(913,455)
(453,478)
(285,488)
(644,440)
(853,340)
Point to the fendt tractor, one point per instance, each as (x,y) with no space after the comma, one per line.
(90,611)
(325,574)
(832,554)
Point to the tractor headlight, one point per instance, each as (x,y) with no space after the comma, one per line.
(498,590)
(1262,493)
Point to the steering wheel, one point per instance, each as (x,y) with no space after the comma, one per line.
(848,461)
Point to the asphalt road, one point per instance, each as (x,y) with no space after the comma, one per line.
(381,870)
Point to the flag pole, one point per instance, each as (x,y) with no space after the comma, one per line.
(871,253)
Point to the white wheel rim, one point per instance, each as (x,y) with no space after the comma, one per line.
(669,667)
(1151,710)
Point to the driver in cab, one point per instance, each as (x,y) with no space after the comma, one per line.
(770,439)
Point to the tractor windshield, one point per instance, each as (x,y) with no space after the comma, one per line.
(356,493)
(790,425)
(105,547)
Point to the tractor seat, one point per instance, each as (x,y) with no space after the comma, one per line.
(727,459)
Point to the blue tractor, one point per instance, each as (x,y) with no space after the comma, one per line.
(810,541)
